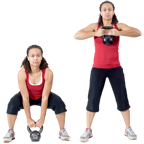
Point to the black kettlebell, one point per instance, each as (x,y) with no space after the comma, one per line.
(107,39)
(35,135)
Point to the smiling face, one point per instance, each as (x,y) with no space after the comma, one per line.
(107,11)
(35,57)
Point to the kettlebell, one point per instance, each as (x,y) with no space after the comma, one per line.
(107,39)
(35,135)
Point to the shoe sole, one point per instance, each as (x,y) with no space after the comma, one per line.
(129,138)
(65,139)
(87,140)
(7,141)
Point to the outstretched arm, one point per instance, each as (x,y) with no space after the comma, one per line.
(126,30)
(89,31)
(45,95)
(25,96)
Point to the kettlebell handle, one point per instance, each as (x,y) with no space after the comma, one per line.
(41,129)
(103,36)
(107,27)
(29,130)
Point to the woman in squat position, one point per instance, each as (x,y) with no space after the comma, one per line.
(106,64)
(35,83)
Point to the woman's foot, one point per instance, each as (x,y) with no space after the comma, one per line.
(86,135)
(10,135)
(63,135)
(130,134)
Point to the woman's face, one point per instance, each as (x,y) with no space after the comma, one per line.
(35,57)
(107,11)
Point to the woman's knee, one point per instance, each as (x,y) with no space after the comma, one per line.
(92,106)
(14,105)
(58,105)
(123,108)
(59,102)
(123,104)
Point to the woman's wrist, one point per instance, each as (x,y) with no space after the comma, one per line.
(29,117)
(42,117)
(95,33)
(119,33)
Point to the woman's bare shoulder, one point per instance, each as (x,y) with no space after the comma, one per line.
(48,73)
(21,73)
(94,26)
(91,27)
(120,25)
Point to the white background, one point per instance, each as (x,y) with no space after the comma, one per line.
(52,25)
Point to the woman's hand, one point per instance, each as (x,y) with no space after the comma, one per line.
(115,32)
(31,122)
(40,123)
(100,32)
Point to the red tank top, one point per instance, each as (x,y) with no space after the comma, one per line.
(35,91)
(106,56)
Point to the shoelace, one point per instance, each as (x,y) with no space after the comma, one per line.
(131,131)
(64,132)
(8,134)
(85,133)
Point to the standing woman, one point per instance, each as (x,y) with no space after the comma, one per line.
(106,64)
(35,83)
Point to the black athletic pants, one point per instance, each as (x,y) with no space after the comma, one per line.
(117,81)
(54,102)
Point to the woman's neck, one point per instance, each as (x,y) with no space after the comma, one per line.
(107,23)
(35,70)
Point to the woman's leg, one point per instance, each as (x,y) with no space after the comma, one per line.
(11,120)
(126,117)
(61,120)
(89,118)
(97,81)
(58,106)
(117,80)
(14,105)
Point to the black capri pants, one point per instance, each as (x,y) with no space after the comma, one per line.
(117,81)
(54,102)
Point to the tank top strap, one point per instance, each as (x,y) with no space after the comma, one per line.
(115,26)
(43,73)
(98,26)
(26,72)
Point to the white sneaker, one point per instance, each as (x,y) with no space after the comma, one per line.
(86,135)
(63,135)
(10,135)
(130,134)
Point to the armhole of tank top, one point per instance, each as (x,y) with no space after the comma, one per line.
(115,26)
(98,26)
(26,73)
(43,73)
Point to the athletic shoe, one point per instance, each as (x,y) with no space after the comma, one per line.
(10,135)
(63,135)
(86,135)
(130,134)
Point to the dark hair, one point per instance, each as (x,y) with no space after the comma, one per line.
(26,63)
(114,19)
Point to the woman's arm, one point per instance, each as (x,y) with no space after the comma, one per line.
(24,91)
(89,31)
(45,95)
(126,30)
(25,96)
